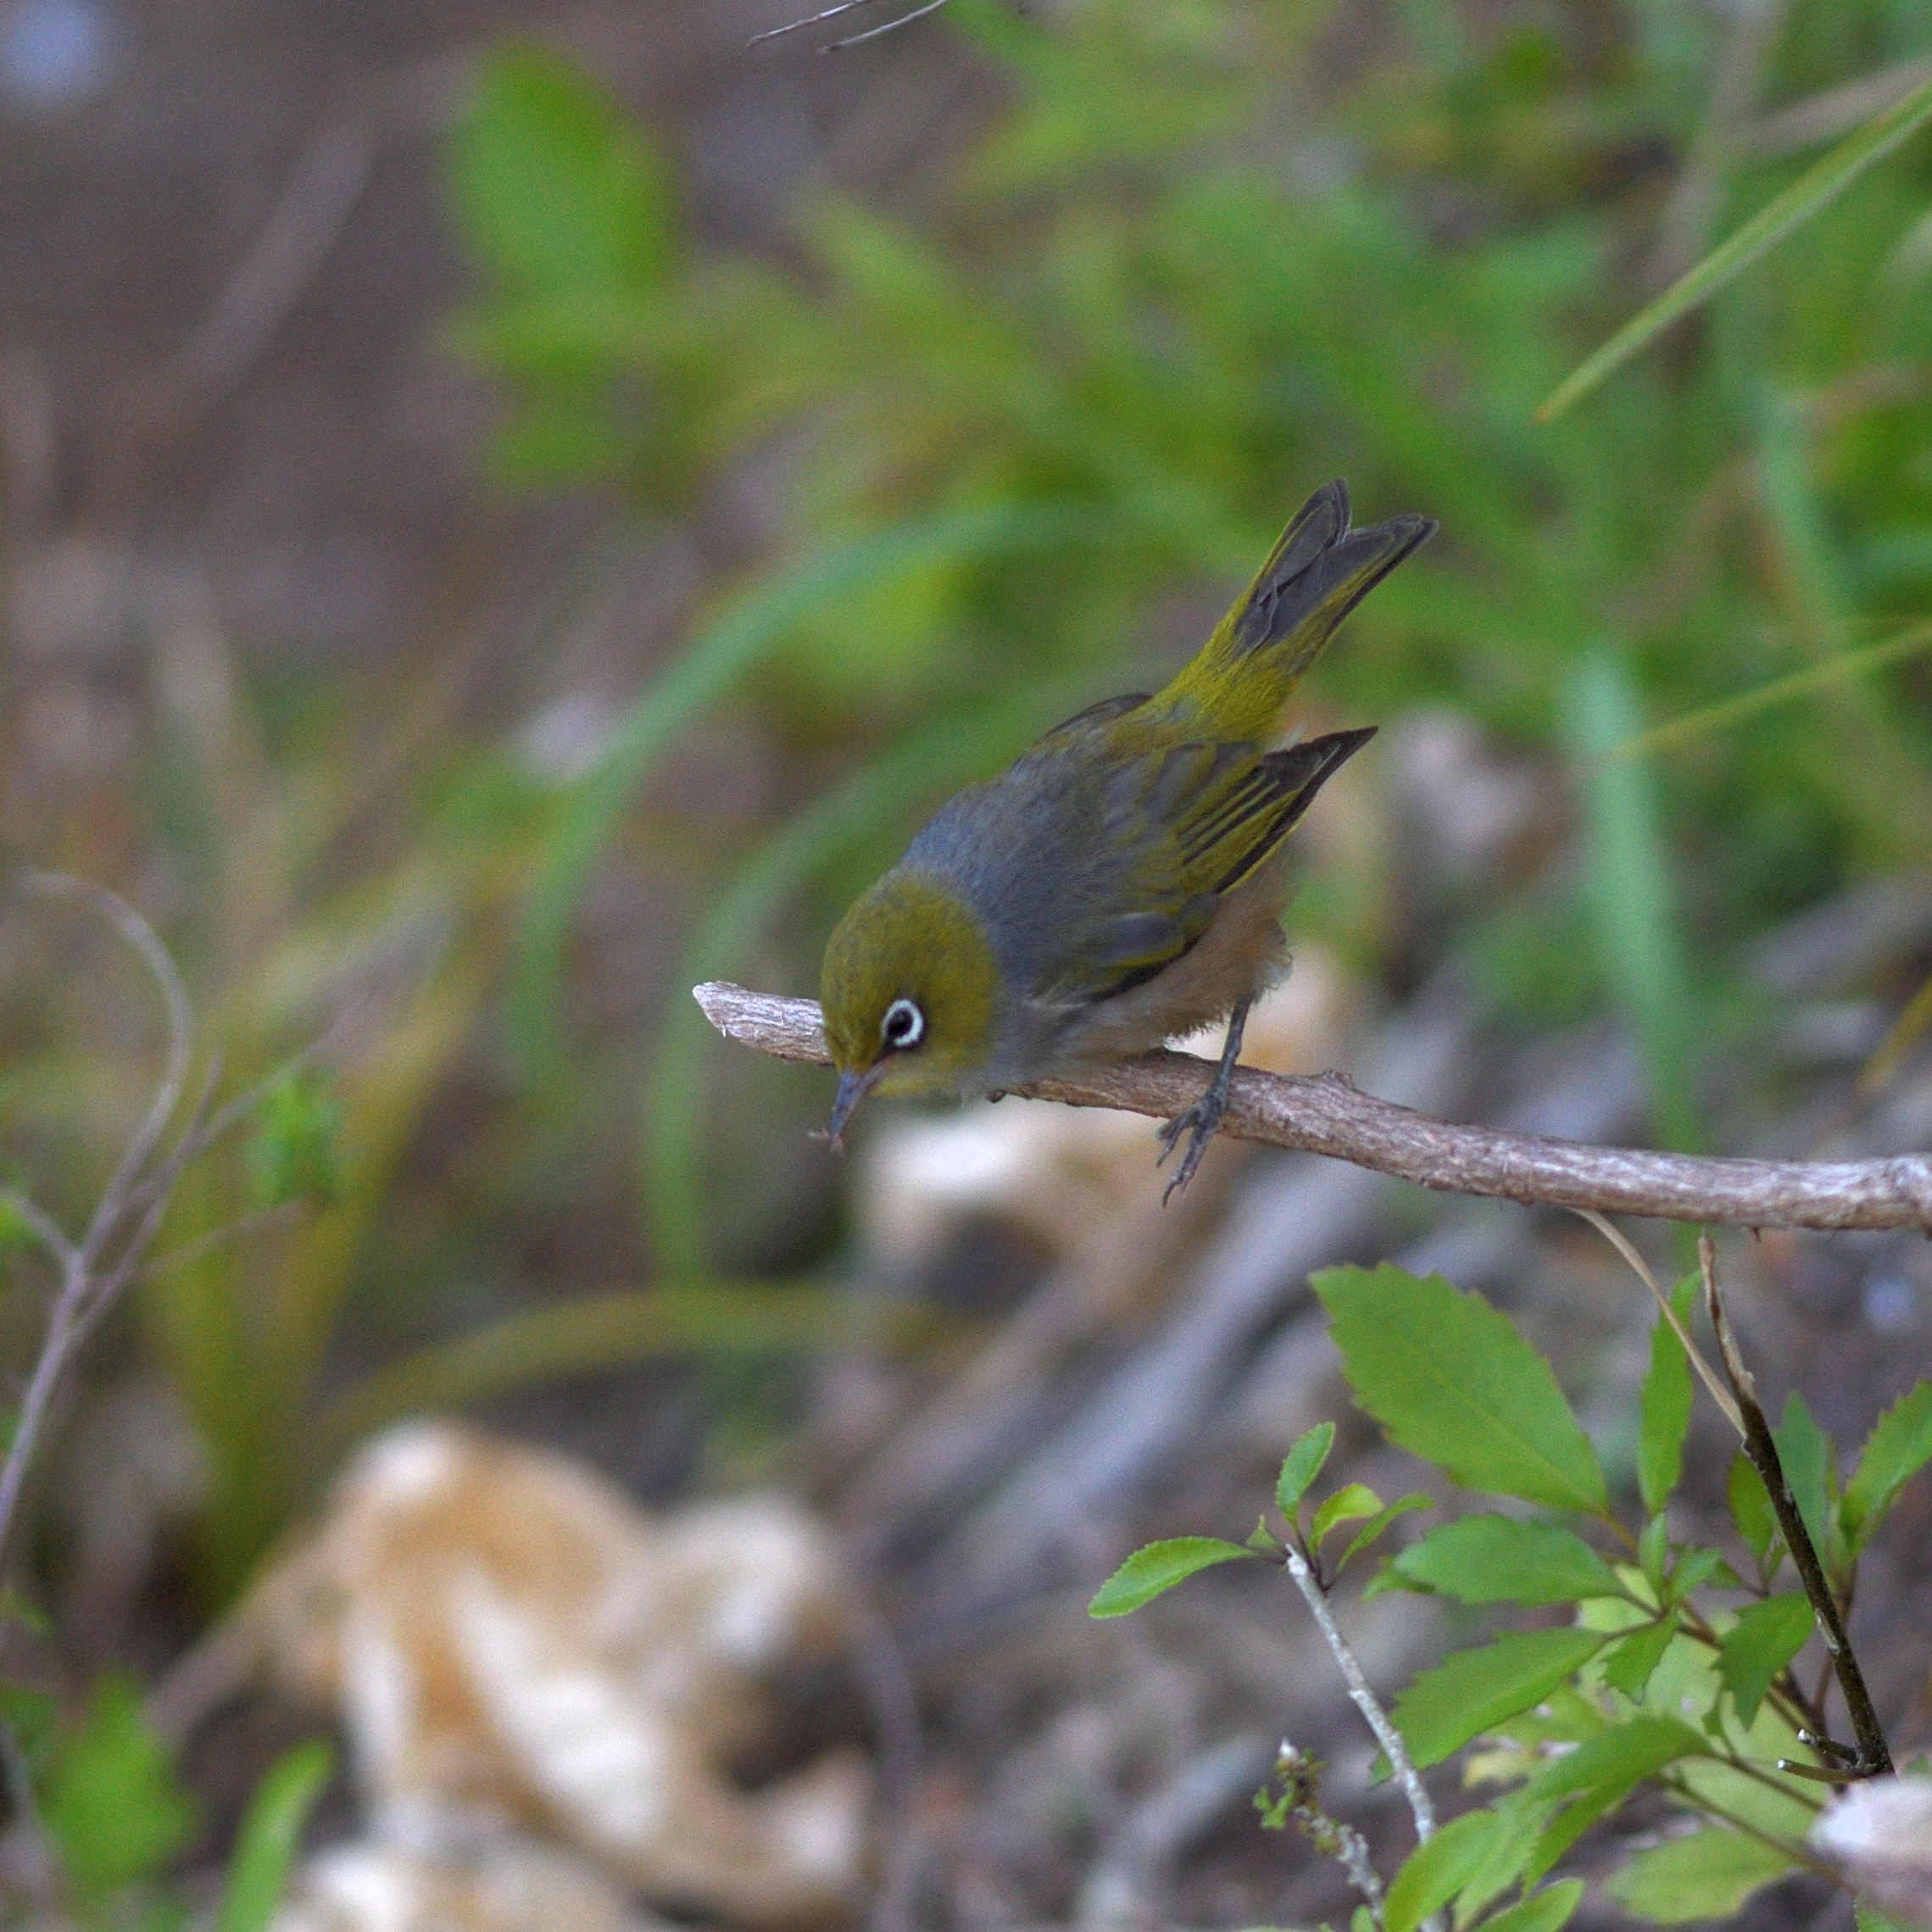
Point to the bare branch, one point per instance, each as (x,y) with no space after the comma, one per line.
(1326,1114)
(1872,1758)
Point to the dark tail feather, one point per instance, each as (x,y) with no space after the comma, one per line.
(1318,573)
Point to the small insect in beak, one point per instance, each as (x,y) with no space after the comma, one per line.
(853,1088)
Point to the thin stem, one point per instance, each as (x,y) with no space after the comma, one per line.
(1874,1758)
(1361,1696)
(1796,1853)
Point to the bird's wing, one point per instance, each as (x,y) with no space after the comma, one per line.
(1179,828)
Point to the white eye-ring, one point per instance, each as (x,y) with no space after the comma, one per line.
(903,1028)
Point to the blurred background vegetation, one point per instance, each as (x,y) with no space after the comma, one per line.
(510,512)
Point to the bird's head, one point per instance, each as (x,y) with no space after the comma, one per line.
(910,988)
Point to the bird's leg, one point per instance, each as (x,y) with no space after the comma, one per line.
(1199,1121)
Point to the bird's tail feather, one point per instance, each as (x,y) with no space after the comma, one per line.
(1314,577)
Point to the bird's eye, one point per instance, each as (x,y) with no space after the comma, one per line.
(903,1028)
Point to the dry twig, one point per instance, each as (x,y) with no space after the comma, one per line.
(1327,1114)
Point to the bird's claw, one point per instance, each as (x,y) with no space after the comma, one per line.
(1199,1124)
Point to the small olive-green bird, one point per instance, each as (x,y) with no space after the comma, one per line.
(1122,882)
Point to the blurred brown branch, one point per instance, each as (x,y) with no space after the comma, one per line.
(1326,1114)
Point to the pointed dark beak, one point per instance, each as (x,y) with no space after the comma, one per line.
(853,1088)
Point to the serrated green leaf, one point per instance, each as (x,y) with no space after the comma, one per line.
(1450,1379)
(1811,1470)
(1434,1873)
(1547,1912)
(1898,1446)
(1750,1506)
(1695,1568)
(1664,1408)
(1157,1567)
(1600,1775)
(554,189)
(1628,1667)
(1496,1559)
(1765,1638)
(1708,1875)
(1474,1691)
(270,1837)
(1377,1523)
(1302,1465)
(1354,1503)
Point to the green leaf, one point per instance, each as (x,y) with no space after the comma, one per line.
(1547,1912)
(1664,1408)
(1435,1871)
(1628,1667)
(1750,1506)
(1474,1691)
(1377,1523)
(1819,186)
(1765,1638)
(1354,1503)
(1694,1568)
(1159,1567)
(554,191)
(1495,1559)
(1653,1552)
(1301,1466)
(1811,1470)
(1898,1448)
(1708,1875)
(110,1802)
(1600,1773)
(271,1836)
(1450,1379)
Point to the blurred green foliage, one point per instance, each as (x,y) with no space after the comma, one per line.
(1201,258)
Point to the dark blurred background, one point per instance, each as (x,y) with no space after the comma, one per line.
(510,511)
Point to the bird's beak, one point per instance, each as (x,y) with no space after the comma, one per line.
(853,1088)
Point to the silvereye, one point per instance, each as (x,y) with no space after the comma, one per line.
(1123,881)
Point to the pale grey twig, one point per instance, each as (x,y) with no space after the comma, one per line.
(1361,1696)
(137,1191)
(1327,1114)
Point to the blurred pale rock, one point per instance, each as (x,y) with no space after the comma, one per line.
(1879,1833)
(513,1648)
(513,1885)
(1064,1173)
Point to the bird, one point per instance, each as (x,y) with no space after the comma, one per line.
(1122,881)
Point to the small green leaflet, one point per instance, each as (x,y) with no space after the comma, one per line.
(1474,1691)
(1899,1447)
(1664,1408)
(1355,1503)
(1496,1559)
(1765,1638)
(1379,1522)
(1546,1913)
(1628,1667)
(1303,1465)
(1157,1567)
(1708,1875)
(1435,1871)
(1450,1379)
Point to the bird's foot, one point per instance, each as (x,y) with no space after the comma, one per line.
(1199,1124)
